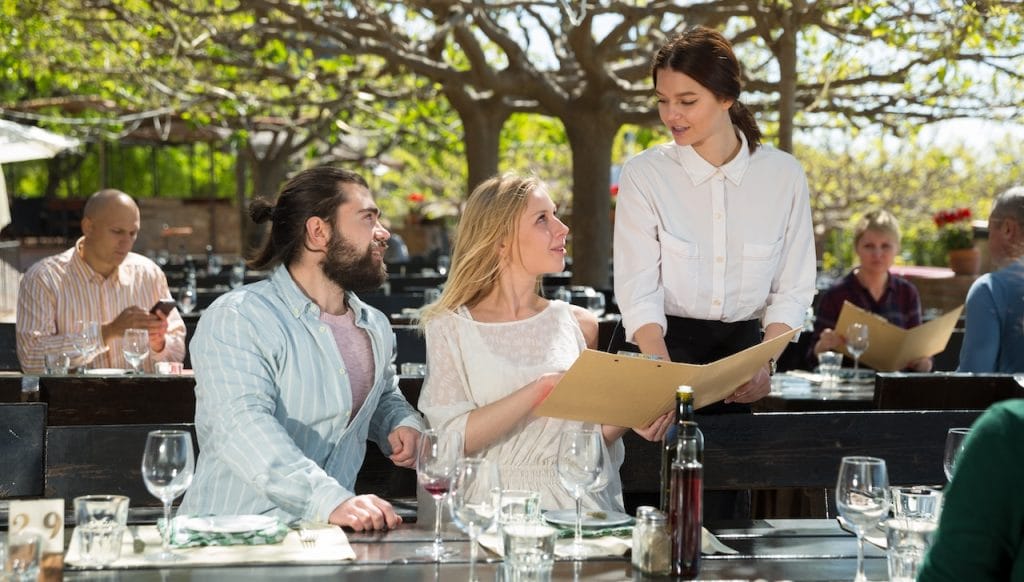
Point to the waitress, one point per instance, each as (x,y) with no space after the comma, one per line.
(714,250)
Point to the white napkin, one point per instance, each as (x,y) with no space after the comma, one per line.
(604,546)
(331,547)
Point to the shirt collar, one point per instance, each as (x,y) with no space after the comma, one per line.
(700,170)
(85,269)
(299,303)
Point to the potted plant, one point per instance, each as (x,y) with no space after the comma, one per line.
(956,237)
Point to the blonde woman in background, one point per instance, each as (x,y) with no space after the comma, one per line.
(496,347)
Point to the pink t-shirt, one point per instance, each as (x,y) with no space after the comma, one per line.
(357,353)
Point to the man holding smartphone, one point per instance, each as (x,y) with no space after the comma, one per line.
(101,280)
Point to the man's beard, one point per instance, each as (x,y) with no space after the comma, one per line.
(349,269)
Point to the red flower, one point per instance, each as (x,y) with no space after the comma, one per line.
(416,197)
(614,190)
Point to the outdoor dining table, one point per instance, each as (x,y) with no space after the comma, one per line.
(804,392)
(786,549)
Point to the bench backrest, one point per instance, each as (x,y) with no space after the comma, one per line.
(21,448)
(894,391)
(803,449)
(101,459)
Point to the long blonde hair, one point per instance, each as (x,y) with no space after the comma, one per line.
(491,217)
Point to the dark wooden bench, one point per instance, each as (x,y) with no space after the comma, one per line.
(8,348)
(101,459)
(943,391)
(92,400)
(802,449)
(21,448)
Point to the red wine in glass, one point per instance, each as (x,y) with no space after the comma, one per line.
(437,487)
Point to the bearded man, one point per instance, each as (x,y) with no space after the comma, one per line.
(293,373)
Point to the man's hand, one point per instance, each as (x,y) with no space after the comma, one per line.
(365,513)
(757,388)
(403,441)
(138,318)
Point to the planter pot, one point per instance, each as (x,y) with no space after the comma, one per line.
(965,261)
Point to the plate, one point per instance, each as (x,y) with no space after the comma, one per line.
(590,518)
(862,376)
(107,372)
(229,523)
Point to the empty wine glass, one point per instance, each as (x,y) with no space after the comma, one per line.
(474,498)
(862,497)
(436,457)
(168,465)
(955,439)
(187,298)
(135,348)
(579,468)
(856,343)
(86,340)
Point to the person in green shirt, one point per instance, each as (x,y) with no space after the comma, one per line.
(981,530)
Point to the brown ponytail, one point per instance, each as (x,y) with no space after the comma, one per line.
(743,120)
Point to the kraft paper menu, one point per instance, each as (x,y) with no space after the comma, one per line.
(890,347)
(630,391)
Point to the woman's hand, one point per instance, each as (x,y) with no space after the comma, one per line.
(757,388)
(920,365)
(656,430)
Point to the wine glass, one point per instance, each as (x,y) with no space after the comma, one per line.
(86,340)
(955,439)
(187,298)
(168,465)
(436,457)
(135,348)
(474,498)
(579,468)
(856,343)
(862,496)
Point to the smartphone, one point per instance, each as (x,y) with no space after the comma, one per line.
(164,306)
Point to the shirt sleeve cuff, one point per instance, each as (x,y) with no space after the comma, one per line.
(640,316)
(326,499)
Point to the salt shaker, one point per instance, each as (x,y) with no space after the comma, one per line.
(652,546)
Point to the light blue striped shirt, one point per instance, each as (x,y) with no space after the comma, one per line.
(273,404)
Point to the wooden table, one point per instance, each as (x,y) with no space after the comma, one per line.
(799,550)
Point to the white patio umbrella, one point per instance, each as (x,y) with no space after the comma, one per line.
(20,143)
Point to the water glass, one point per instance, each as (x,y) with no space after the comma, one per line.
(57,363)
(829,364)
(917,502)
(135,347)
(24,551)
(908,541)
(529,551)
(517,506)
(956,438)
(100,522)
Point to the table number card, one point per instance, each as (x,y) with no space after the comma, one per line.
(46,518)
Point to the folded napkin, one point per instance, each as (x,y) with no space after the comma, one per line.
(874,536)
(140,542)
(602,542)
(183,537)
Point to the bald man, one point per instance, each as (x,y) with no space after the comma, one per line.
(101,280)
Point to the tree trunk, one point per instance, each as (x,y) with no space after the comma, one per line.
(787,56)
(482,121)
(591,142)
(268,175)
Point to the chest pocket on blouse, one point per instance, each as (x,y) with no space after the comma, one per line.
(760,263)
(680,272)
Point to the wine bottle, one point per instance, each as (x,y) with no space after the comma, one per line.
(685,424)
(685,507)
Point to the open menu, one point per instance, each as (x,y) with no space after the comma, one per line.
(630,391)
(890,347)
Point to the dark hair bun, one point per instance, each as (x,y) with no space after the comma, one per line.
(261,210)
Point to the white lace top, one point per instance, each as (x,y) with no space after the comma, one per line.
(471,364)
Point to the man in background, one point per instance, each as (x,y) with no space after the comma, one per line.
(100,280)
(994,334)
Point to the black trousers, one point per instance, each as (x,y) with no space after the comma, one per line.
(699,341)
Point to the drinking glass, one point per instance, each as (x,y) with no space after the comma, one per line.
(862,496)
(86,340)
(168,465)
(135,347)
(579,467)
(474,498)
(955,439)
(856,343)
(436,457)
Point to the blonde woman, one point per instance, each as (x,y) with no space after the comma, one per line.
(496,348)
